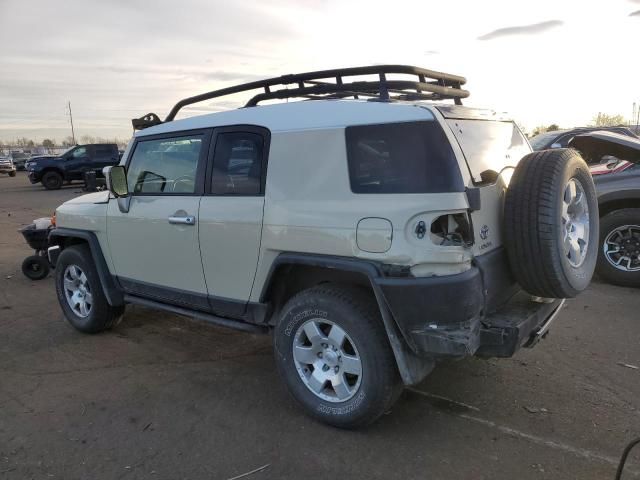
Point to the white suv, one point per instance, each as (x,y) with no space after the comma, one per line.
(372,236)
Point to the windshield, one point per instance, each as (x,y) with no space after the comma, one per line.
(68,150)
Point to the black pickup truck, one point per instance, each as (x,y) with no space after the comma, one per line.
(53,171)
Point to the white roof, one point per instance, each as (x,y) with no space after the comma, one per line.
(303,115)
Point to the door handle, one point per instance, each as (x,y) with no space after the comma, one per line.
(183,220)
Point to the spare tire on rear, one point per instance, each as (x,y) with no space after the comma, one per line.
(551,223)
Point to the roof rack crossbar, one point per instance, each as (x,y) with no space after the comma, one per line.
(334,84)
(363,88)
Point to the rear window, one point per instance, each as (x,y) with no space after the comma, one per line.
(411,157)
(489,146)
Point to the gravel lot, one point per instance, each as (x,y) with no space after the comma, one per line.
(162,397)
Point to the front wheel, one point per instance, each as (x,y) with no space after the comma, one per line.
(52,181)
(12,174)
(333,353)
(619,252)
(80,292)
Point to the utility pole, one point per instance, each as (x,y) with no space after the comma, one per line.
(73,135)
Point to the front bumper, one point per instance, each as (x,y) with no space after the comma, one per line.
(479,312)
(7,169)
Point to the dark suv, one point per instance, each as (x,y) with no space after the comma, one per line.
(53,171)
(617,182)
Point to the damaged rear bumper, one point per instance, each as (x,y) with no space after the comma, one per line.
(479,312)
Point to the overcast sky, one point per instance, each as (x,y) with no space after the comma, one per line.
(543,61)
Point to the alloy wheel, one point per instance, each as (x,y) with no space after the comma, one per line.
(327,360)
(77,291)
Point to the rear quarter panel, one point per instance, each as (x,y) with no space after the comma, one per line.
(309,208)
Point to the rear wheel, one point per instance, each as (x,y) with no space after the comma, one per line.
(619,252)
(52,180)
(80,292)
(333,353)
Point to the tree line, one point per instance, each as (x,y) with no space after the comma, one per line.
(600,120)
(24,142)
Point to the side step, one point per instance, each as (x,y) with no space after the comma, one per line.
(207,317)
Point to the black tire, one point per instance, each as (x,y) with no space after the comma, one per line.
(534,226)
(35,267)
(101,316)
(630,240)
(52,180)
(12,174)
(357,314)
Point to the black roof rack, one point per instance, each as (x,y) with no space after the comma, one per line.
(327,84)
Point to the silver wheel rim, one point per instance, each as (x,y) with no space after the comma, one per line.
(622,248)
(77,291)
(575,223)
(327,360)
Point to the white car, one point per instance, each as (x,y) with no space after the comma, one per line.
(372,236)
(7,166)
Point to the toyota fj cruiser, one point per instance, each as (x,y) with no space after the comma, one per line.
(373,237)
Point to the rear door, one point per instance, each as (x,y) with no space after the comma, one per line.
(154,246)
(492,149)
(230,216)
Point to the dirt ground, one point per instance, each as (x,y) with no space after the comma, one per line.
(162,397)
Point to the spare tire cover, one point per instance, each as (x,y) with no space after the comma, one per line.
(551,223)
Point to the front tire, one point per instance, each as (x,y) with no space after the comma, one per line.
(334,356)
(12,174)
(52,181)
(80,292)
(619,252)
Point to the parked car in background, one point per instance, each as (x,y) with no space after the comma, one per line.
(561,138)
(53,171)
(6,166)
(19,159)
(617,182)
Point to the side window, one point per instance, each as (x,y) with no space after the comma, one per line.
(80,152)
(165,166)
(412,157)
(564,141)
(237,164)
(104,151)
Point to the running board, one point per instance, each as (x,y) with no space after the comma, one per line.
(206,317)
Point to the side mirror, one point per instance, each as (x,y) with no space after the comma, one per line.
(116,179)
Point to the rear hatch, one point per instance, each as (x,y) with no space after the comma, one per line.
(492,146)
